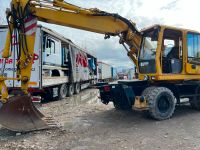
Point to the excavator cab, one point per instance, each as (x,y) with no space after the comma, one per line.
(163,53)
(168,69)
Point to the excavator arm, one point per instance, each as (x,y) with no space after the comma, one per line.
(22,19)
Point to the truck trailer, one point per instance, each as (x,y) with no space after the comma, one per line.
(60,68)
(104,72)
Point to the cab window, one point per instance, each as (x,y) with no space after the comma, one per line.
(193,44)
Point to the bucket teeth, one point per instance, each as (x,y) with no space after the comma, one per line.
(50,122)
(19,114)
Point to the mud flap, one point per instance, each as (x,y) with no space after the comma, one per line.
(122,95)
(19,114)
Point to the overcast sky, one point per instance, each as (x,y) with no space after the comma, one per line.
(181,13)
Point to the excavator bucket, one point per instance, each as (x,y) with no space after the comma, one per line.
(19,114)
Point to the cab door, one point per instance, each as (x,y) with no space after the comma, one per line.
(193,53)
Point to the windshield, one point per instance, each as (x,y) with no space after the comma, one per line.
(149,45)
(148,51)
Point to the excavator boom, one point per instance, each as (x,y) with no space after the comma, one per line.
(25,12)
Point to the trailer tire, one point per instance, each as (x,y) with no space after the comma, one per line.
(77,88)
(62,91)
(70,90)
(161,102)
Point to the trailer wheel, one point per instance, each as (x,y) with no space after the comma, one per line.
(62,91)
(161,102)
(70,90)
(77,88)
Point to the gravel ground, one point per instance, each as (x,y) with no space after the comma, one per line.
(87,124)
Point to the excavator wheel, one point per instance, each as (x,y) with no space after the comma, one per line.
(161,102)
(19,114)
(194,104)
(195,101)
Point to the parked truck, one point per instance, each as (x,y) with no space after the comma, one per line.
(104,72)
(60,68)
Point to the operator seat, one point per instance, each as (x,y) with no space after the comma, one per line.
(174,53)
(174,64)
(167,61)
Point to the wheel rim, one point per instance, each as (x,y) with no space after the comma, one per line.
(77,87)
(163,104)
(63,91)
(71,89)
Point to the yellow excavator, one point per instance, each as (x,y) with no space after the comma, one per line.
(167,61)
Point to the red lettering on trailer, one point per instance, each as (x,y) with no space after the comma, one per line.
(8,60)
(81,60)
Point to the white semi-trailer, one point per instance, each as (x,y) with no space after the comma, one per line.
(104,72)
(60,68)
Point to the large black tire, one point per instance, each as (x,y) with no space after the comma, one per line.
(77,88)
(70,90)
(195,101)
(194,104)
(161,102)
(62,93)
